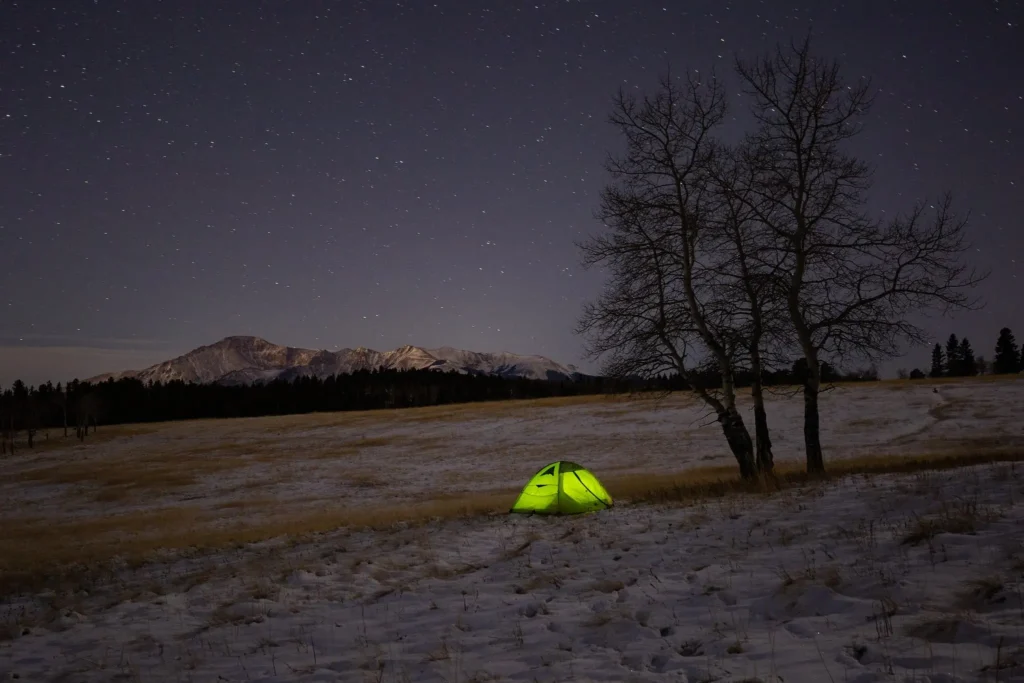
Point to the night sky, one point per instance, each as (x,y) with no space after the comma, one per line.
(331,174)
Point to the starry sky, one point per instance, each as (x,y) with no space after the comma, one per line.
(332,174)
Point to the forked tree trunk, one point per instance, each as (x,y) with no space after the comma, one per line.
(739,440)
(736,434)
(735,430)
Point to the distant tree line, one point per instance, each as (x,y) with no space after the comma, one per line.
(957,359)
(710,378)
(81,406)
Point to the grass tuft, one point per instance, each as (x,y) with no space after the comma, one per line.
(960,517)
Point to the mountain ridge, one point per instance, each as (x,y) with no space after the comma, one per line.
(244,359)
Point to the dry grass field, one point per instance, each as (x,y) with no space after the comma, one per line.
(130,490)
(149,510)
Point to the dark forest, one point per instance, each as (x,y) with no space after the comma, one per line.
(82,406)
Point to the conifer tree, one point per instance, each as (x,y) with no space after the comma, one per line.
(952,356)
(938,362)
(1008,358)
(968,364)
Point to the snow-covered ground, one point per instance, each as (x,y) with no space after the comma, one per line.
(896,578)
(910,577)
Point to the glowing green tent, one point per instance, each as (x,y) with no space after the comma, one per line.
(562,488)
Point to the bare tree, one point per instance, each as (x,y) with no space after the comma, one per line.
(849,282)
(740,253)
(662,310)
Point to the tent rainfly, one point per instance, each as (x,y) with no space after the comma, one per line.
(562,488)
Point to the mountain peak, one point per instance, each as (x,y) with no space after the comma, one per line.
(242,340)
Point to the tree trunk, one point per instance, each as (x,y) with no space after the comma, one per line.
(762,435)
(735,430)
(812,376)
(765,459)
(740,444)
(736,434)
(812,429)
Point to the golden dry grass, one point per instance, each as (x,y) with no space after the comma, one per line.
(952,446)
(710,482)
(136,473)
(285,454)
(452,412)
(153,472)
(282,425)
(36,551)
(51,439)
(279,451)
(229,446)
(257,503)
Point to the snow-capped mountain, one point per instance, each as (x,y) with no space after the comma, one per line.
(504,364)
(243,360)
